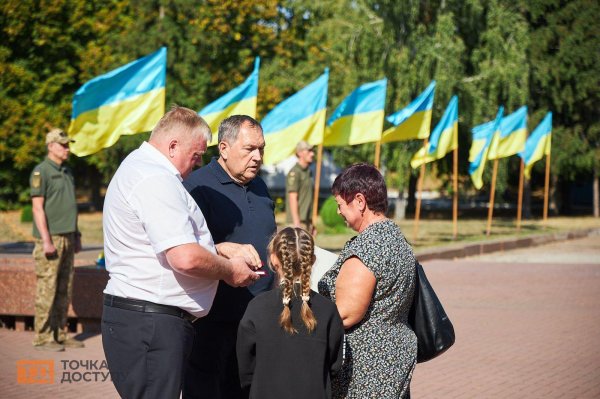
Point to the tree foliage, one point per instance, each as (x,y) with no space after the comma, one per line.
(540,53)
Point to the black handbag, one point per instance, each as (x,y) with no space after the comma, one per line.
(434,331)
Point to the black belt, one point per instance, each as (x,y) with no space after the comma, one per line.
(147,307)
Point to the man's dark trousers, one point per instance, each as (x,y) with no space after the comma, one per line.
(162,345)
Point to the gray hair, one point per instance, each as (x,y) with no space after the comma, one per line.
(183,122)
(230,127)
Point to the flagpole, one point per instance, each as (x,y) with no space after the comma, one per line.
(492,192)
(419,189)
(455,199)
(317,185)
(377,153)
(520,198)
(546,187)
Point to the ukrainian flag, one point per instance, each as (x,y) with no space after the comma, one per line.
(239,101)
(478,154)
(127,100)
(443,139)
(299,117)
(538,144)
(512,137)
(414,121)
(359,118)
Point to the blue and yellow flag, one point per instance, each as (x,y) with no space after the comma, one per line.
(442,140)
(510,139)
(359,118)
(127,100)
(478,154)
(414,121)
(299,117)
(239,101)
(538,144)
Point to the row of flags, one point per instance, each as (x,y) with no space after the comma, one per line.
(131,99)
(506,136)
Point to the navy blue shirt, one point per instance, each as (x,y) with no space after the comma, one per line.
(243,214)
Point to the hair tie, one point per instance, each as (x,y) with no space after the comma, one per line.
(286,301)
(305,298)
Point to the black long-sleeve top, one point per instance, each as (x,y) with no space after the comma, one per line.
(275,364)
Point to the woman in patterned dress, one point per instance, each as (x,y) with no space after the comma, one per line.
(372,283)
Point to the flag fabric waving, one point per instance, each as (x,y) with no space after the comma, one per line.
(239,101)
(478,154)
(359,117)
(299,117)
(538,144)
(510,139)
(443,139)
(414,121)
(127,100)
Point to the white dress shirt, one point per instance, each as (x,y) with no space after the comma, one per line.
(147,211)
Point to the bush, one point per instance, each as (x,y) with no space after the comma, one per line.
(330,217)
(26,214)
(279,205)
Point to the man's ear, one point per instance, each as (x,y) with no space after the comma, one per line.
(172,147)
(223,150)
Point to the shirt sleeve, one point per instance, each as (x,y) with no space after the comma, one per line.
(368,252)
(246,351)
(37,183)
(292,181)
(161,205)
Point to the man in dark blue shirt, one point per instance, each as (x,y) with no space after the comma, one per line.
(238,208)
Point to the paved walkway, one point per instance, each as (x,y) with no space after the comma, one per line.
(527,325)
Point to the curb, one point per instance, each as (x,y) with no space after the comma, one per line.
(485,247)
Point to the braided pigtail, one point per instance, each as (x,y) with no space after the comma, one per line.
(285,255)
(306,250)
(294,250)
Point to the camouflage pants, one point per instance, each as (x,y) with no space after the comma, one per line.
(53,291)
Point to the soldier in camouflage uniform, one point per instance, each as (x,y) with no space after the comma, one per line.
(57,241)
(299,189)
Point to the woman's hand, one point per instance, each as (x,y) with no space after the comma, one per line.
(354,289)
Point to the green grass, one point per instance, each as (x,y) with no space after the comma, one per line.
(431,232)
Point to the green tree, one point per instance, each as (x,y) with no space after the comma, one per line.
(565,77)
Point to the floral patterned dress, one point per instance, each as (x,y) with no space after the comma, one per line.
(380,352)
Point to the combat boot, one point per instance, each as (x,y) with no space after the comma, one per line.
(50,346)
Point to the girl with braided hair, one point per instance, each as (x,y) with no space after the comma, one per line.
(289,341)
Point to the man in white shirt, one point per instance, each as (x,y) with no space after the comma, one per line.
(162,262)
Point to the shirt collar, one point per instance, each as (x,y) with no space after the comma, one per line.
(220,173)
(159,157)
(54,164)
(301,167)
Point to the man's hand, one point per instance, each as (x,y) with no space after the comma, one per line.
(242,275)
(49,249)
(231,250)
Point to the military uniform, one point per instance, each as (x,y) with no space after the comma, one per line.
(54,275)
(300,180)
